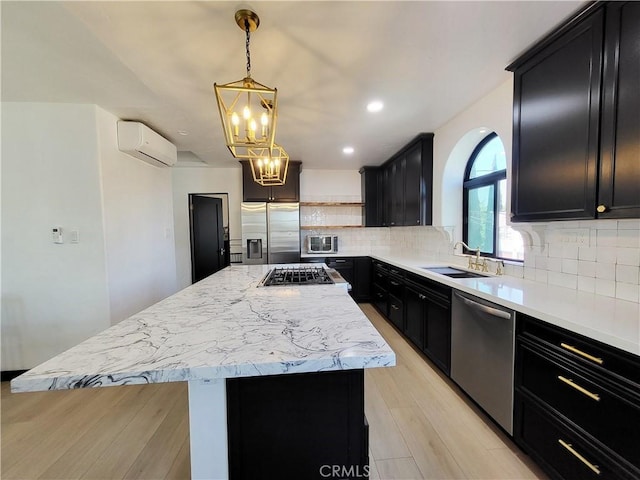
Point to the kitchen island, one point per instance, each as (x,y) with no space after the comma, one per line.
(224,327)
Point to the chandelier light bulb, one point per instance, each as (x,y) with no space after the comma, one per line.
(235,121)
(246,113)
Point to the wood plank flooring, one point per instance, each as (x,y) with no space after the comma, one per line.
(421,426)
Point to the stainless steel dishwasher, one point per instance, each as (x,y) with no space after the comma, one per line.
(482,351)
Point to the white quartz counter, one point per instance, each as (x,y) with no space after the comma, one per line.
(224,326)
(611,321)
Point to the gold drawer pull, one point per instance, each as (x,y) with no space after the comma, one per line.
(573,349)
(569,382)
(568,446)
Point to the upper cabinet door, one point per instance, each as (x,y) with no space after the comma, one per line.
(413,191)
(619,194)
(556,126)
(289,192)
(251,191)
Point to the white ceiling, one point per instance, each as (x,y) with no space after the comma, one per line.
(156,62)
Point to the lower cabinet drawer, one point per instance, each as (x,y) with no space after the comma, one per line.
(380,297)
(612,420)
(561,452)
(396,308)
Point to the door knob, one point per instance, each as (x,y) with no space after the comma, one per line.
(601,208)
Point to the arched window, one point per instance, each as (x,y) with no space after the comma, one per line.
(485,201)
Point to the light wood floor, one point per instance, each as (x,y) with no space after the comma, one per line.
(421,426)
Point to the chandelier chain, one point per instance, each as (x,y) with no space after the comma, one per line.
(248,32)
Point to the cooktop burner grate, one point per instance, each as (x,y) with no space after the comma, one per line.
(297,276)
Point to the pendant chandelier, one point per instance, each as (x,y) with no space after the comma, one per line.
(269,166)
(248,111)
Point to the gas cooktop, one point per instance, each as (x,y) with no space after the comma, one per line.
(297,276)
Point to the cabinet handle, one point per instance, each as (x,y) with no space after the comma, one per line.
(395,307)
(421,296)
(601,208)
(573,349)
(571,450)
(395,284)
(570,382)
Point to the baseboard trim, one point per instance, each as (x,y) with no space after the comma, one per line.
(7,375)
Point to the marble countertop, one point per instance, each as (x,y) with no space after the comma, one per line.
(609,320)
(223,326)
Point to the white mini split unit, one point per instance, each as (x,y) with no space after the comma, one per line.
(140,141)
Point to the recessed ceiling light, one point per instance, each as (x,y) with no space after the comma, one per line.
(348,150)
(375,106)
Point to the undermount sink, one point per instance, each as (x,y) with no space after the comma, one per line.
(453,272)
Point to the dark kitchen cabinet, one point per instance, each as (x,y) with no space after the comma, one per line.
(428,319)
(371,194)
(355,270)
(400,191)
(577,403)
(418,307)
(362,287)
(414,302)
(395,288)
(289,192)
(619,185)
(576,128)
(379,287)
(413,188)
(555,126)
(294,424)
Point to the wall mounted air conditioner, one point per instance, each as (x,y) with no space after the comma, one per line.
(140,141)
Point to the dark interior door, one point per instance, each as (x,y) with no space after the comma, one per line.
(207,236)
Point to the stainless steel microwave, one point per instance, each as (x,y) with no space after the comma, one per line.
(322,244)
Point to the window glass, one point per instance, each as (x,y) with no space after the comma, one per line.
(481,218)
(485,214)
(491,158)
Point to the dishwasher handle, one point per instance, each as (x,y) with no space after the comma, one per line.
(484,308)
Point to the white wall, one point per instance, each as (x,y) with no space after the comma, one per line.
(330,185)
(53,296)
(201,180)
(61,167)
(138,223)
(453,144)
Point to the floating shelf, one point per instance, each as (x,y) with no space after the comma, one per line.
(326,227)
(331,204)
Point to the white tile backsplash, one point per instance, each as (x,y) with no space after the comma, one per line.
(627,274)
(605,287)
(586,269)
(628,291)
(569,265)
(606,271)
(609,264)
(628,256)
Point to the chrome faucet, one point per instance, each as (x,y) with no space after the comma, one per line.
(473,264)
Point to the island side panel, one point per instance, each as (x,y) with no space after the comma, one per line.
(208,429)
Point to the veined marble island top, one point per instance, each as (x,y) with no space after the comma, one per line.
(221,327)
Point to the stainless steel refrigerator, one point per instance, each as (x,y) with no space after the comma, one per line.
(270,232)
